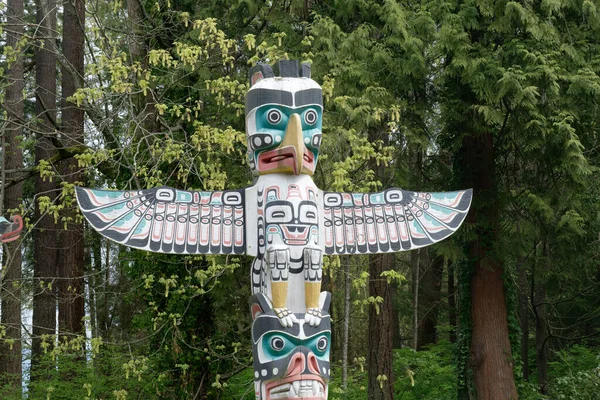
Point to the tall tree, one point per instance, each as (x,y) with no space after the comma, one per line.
(71,246)
(45,230)
(542,335)
(490,345)
(144,106)
(524,288)
(379,355)
(10,285)
(451,302)
(431,284)
(346,330)
(511,109)
(380,72)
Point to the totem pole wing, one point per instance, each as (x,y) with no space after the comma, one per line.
(167,220)
(392,220)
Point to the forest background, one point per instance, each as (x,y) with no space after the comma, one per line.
(500,96)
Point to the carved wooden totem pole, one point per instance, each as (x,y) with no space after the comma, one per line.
(285,222)
(10,230)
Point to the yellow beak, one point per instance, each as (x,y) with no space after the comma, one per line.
(294,137)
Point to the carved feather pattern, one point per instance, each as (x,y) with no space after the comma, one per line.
(392,220)
(168,220)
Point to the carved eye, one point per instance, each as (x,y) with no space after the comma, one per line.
(259,141)
(274,116)
(322,344)
(310,117)
(308,214)
(279,213)
(316,140)
(277,343)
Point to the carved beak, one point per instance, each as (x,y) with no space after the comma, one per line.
(293,137)
(291,156)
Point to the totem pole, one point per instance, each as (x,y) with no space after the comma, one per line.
(285,222)
(10,230)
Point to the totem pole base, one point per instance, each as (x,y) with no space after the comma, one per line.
(293,362)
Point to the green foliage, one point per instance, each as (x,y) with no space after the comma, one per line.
(106,372)
(580,385)
(574,374)
(574,360)
(431,374)
(426,374)
(240,386)
(402,82)
(196,320)
(417,375)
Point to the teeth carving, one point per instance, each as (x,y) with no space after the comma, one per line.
(280,391)
(298,390)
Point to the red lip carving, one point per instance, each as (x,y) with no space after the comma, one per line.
(285,158)
(295,234)
(296,385)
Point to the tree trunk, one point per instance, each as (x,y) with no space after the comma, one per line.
(451,303)
(347,286)
(104,320)
(379,356)
(542,333)
(379,360)
(144,104)
(89,292)
(71,300)
(431,294)
(10,284)
(44,234)
(490,345)
(524,316)
(125,313)
(416,273)
(415,255)
(396,310)
(95,283)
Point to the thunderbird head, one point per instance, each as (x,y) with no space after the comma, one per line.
(284,116)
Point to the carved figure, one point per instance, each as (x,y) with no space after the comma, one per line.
(285,222)
(289,362)
(10,230)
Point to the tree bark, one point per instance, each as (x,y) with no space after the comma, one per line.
(104,319)
(379,360)
(95,283)
(542,333)
(379,356)
(396,310)
(10,284)
(416,255)
(452,303)
(346,340)
(90,294)
(125,312)
(144,104)
(490,345)
(431,294)
(44,234)
(524,317)
(415,264)
(71,301)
